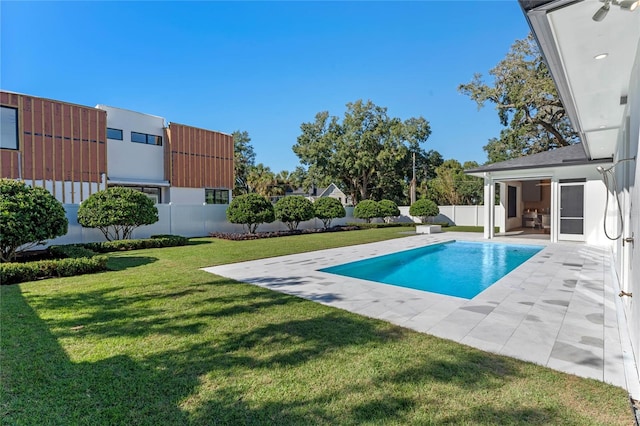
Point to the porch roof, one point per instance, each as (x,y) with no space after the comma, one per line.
(560,157)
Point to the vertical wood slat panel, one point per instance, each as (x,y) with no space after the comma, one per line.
(51,142)
(216,155)
(199,158)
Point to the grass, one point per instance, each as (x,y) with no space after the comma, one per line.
(157,341)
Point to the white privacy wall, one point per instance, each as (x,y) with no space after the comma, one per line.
(199,220)
(179,219)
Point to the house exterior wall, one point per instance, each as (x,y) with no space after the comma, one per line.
(129,160)
(61,147)
(198,158)
(626,254)
(594,199)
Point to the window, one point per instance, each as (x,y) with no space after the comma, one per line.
(8,128)
(114,134)
(146,139)
(216,196)
(512,210)
(154,140)
(152,192)
(138,137)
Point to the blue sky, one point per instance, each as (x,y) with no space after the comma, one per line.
(266,67)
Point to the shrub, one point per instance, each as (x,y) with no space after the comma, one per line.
(71,250)
(250,210)
(156,241)
(12,273)
(388,209)
(28,217)
(383,225)
(367,210)
(326,209)
(117,211)
(424,209)
(292,210)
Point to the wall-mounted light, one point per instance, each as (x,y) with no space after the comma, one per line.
(628,5)
(602,12)
(601,56)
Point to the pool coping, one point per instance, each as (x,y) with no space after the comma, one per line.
(558,309)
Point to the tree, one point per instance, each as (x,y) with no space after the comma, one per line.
(367,210)
(366,151)
(424,209)
(117,211)
(243,160)
(292,210)
(326,209)
(527,102)
(250,210)
(388,209)
(28,217)
(287,182)
(452,186)
(262,180)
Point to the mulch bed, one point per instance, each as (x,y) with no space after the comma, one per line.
(239,236)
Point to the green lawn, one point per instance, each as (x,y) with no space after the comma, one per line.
(159,342)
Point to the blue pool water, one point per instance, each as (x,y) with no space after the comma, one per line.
(456,268)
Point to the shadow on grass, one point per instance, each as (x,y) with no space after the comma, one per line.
(42,385)
(199,242)
(126,262)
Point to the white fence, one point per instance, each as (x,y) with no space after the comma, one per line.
(187,220)
(454,215)
(191,220)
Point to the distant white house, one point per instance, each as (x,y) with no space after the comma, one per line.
(330,191)
(333,191)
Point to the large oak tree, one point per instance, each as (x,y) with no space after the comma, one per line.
(367,152)
(527,103)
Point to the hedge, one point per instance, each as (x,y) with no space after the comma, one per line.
(16,272)
(78,259)
(393,225)
(156,241)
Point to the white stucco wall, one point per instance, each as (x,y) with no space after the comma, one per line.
(132,160)
(627,255)
(186,195)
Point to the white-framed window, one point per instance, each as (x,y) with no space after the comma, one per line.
(8,128)
(216,196)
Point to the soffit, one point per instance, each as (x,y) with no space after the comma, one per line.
(590,89)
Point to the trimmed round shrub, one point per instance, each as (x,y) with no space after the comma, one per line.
(250,210)
(367,210)
(292,210)
(424,209)
(326,209)
(117,211)
(28,217)
(388,209)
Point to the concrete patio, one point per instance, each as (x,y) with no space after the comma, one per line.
(559,309)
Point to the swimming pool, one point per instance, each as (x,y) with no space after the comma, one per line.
(455,268)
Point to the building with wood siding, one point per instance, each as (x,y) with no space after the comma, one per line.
(74,151)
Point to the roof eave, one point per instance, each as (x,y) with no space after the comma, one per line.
(481,171)
(535,12)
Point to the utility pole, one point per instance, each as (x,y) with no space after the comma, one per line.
(413,181)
